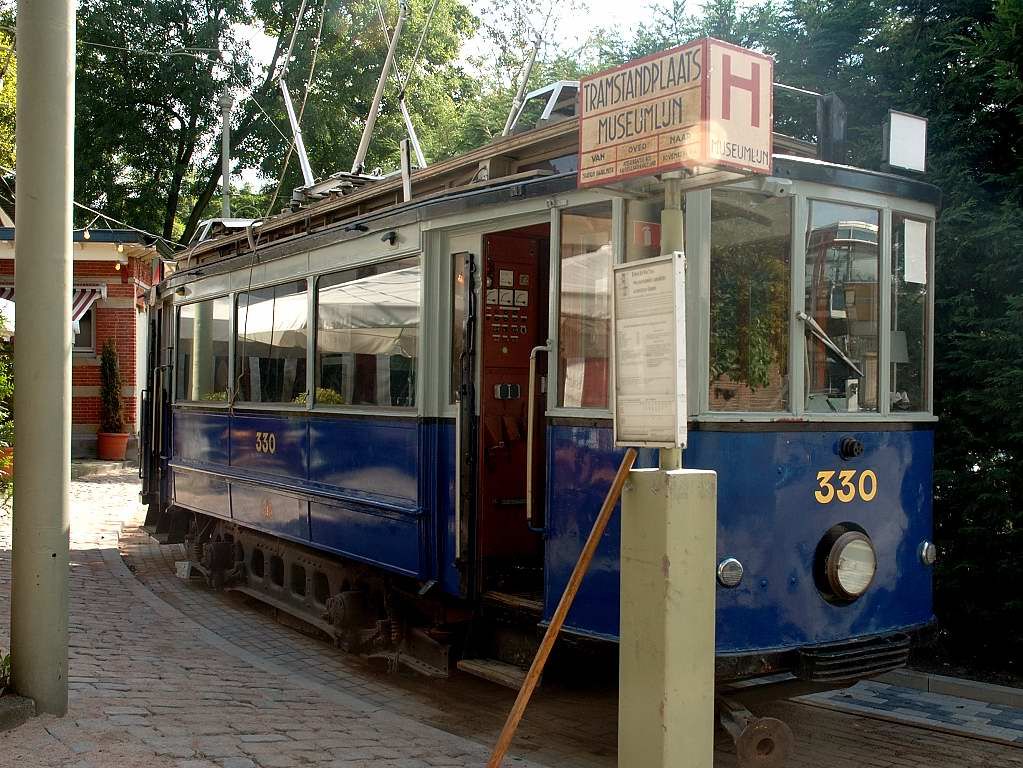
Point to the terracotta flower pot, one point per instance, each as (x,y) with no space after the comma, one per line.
(6,463)
(111,446)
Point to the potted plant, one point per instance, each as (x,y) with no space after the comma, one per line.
(112,440)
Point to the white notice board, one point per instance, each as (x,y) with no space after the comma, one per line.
(649,373)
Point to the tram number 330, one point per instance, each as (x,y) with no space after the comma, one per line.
(266,442)
(847,486)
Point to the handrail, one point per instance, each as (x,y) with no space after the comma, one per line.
(529,433)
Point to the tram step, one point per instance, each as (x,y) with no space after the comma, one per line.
(523,603)
(494,671)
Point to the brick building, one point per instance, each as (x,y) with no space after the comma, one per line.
(113,270)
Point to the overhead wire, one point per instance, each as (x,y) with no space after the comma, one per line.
(419,48)
(97,214)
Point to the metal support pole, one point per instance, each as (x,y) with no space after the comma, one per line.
(42,356)
(226,103)
(371,119)
(672,239)
(666,646)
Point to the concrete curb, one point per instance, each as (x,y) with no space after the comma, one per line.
(990,693)
(15,710)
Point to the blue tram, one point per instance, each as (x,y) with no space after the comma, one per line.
(337,411)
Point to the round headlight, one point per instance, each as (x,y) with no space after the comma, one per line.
(729,572)
(928,553)
(851,565)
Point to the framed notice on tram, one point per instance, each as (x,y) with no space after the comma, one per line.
(649,349)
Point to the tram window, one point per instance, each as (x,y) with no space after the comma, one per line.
(271,346)
(457,323)
(367,336)
(910,307)
(750,247)
(202,350)
(584,317)
(840,319)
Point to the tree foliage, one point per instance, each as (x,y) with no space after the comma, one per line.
(8,89)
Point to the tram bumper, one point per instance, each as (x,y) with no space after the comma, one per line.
(830,664)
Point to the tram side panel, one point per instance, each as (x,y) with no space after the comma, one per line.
(771,521)
(346,485)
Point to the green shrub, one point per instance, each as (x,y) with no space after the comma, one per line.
(111,417)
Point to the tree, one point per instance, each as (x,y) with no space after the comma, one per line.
(150,75)
(8,95)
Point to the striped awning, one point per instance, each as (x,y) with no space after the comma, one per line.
(82,298)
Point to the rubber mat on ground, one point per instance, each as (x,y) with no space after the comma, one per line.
(948,713)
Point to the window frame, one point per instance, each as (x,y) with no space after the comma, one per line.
(698,294)
(215,404)
(703,290)
(554,304)
(393,410)
(931,224)
(884,253)
(91,349)
(235,301)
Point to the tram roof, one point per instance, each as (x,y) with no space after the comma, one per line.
(343,207)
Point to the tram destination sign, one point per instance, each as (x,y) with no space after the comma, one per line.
(706,106)
(649,373)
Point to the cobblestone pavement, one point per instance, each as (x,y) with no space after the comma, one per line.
(167,673)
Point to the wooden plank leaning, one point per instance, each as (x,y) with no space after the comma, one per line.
(567,597)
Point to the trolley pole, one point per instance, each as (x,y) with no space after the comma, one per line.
(42,354)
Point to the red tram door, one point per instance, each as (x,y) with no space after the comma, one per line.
(513,303)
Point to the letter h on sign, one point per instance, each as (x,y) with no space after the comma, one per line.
(730,81)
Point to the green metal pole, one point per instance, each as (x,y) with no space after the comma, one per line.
(42,353)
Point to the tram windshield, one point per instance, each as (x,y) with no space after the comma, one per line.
(749,301)
(841,311)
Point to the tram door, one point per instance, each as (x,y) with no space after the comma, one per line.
(513,320)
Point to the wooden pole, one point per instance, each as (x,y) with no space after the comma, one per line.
(568,596)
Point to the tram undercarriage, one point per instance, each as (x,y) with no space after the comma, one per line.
(360,609)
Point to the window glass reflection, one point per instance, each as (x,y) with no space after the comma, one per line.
(910,306)
(584,317)
(202,350)
(271,348)
(840,317)
(749,301)
(367,335)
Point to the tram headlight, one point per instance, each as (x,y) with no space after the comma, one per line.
(729,572)
(928,553)
(850,565)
